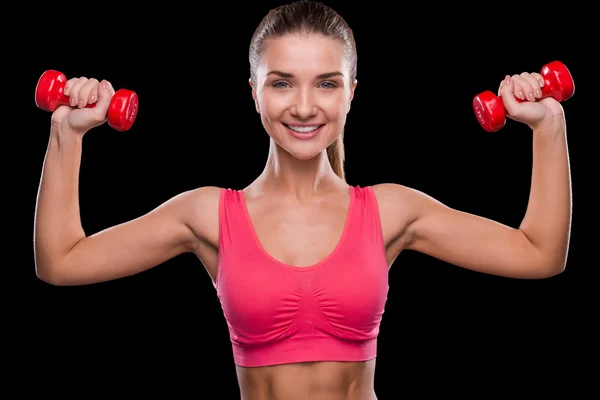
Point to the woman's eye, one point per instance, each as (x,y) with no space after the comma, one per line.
(280,84)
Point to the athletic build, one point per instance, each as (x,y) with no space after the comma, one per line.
(299,224)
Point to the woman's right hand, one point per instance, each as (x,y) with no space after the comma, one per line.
(83,91)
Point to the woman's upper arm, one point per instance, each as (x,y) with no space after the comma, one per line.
(466,240)
(174,227)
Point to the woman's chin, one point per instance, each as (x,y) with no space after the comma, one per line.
(304,152)
(305,155)
(302,149)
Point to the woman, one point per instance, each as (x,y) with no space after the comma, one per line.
(308,252)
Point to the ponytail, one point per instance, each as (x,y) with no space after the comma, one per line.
(335,153)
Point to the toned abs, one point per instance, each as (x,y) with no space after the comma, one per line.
(315,381)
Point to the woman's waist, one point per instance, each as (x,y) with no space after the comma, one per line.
(331,380)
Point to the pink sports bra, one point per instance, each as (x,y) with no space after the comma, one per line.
(279,314)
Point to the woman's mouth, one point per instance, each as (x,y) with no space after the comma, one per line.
(304,132)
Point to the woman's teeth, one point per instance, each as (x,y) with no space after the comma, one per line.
(303,129)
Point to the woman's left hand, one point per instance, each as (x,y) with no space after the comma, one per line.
(531,110)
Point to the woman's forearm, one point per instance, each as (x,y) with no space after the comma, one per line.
(547,222)
(57,219)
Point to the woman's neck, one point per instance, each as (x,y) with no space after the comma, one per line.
(301,179)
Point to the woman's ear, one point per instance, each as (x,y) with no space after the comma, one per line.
(352,89)
(254,96)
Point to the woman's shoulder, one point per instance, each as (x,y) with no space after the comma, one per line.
(198,204)
(199,210)
(396,200)
(395,192)
(203,194)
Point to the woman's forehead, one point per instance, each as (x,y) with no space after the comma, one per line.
(306,54)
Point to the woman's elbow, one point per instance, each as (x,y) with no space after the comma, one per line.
(50,273)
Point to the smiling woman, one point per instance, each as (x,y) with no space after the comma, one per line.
(299,258)
(304,130)
(304,81)
(302,22)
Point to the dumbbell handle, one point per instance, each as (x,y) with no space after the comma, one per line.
(64,100)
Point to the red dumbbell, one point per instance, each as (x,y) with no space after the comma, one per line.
(489,108)
(49,95)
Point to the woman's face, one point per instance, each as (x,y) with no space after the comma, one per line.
(303,92)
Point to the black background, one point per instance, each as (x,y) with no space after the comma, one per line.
(445,329)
